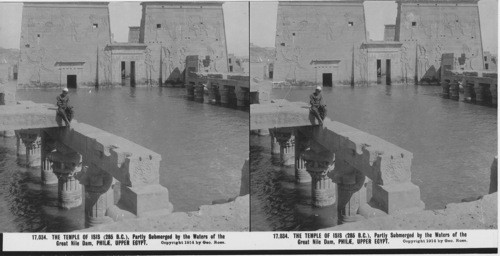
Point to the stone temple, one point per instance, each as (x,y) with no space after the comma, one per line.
(327,42)
(70,44)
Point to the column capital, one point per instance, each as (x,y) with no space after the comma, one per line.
(67,164)
(95,179)
(320,163)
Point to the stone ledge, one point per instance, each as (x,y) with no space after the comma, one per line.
(280,114)
(479,214)
(28,115)
(232,216)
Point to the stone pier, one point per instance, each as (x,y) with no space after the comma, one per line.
(98,195)
(66,165)
(199,92)
(479,86)
(32,143)
(319,165)
(301,174)
(349,157)
(48,176)
(20,149)
(275,146)
(286,141)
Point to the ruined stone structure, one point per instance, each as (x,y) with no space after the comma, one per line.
(174,30)
(61,44)
(325,42)
(316,41)
(429,28)
(364,174)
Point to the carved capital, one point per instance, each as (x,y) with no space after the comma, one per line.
(319,163)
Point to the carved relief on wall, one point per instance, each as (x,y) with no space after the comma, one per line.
(361,63)
(105,65)
(148,62)
(406,65)
(38,60)
(292,56)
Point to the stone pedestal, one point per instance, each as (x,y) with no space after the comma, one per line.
(349,196)
(478,89)
(468,91)
(66,166)
(318,165)
(98,195)
(494,95)
(147,200)
(446,89)
(454,90)
(199,92)
(47,174)
(301,175)
(32,142)
(286,141)
(190,91)
(224,94)
(401,197)
(8,134)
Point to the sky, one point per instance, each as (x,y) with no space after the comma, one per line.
(378,13)
(125,14)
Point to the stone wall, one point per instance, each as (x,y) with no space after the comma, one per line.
(60,39)
(313,38)
(173,31)
(428,29)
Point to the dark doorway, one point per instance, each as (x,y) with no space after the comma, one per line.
(123,70)
(388,71)
(71,81)
(132,73)
(379,71)
(271,74)
(327,79)
(230,68)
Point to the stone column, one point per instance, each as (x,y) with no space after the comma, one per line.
(446,89)
(478,89)
(318,165)
(301,175)
(468,87)
(454,90)
(275,146)
(66,165)
(32,142)
(98,195)
(349,196)
(21,149)
(224,94)
(199,92)
(47,174)
(286,141)
(190,91)
(494,96)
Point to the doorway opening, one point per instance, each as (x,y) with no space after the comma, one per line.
(122,70)
(71,81)
(327,79)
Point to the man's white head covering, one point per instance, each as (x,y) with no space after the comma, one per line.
(318,88)
(65,90)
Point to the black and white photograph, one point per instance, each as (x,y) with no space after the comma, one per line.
(124,116)
(373,115)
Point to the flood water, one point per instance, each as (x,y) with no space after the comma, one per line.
(453,145)
(203,148)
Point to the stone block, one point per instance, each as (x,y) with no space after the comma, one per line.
(398,198)
(146,200)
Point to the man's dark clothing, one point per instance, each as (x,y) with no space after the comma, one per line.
(63,108)
(317,108)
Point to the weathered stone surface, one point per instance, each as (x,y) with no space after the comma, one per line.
(281,114)
(232,216)
(146,200)
(403,197)
(245,179)
(129,163)
(480,214)
(28,115)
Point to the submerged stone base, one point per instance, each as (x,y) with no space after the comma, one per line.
(232,216)
(479,214)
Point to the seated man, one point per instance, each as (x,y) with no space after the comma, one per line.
(317,108)
(64,110)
